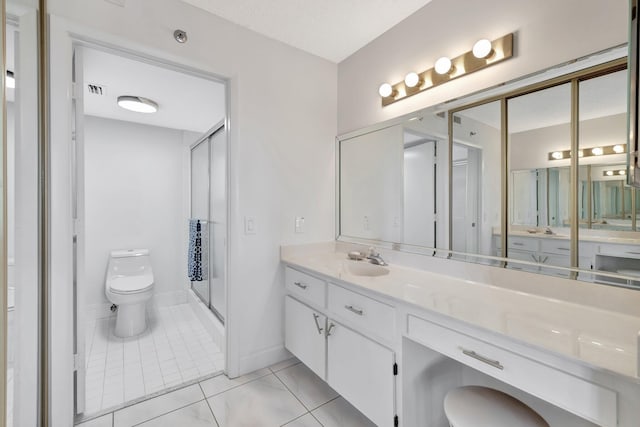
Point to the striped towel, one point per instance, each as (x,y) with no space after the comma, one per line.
(198,262)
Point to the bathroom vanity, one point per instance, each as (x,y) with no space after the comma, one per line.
(393,340)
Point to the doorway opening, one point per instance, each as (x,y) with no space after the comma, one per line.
(135,185)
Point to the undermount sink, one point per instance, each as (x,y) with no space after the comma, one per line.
(361,268)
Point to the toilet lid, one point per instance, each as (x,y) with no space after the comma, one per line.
(129,284)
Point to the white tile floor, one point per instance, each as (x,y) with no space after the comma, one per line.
(173,350)
(287,394)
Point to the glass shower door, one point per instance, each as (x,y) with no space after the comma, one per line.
(200,202)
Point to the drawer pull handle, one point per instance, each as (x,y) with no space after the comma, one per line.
(491,362)
(329,328)
(517,244)
(315,318)
(352,309)
(563,249)
(300,285)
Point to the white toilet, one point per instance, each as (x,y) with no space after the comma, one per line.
(129,285)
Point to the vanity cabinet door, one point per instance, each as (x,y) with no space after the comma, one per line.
(304,335)
(361,370)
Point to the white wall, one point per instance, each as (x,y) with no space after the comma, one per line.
(134,198)
(281,148)
(548,32)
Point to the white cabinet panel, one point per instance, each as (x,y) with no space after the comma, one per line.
(308,288)
(361,311)
(304,335)
(580,397)
(361,370)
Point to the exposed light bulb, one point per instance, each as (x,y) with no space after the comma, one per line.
(609,173)
(622,172)
(385,90)
(412,79)
(443,65)
(597,151)
(557,155)
(482,49)
(618,148)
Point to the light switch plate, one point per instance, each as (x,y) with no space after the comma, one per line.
(249,225)
(299,224)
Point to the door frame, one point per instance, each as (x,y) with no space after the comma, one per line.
(64,37)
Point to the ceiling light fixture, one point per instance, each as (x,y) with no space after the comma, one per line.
(482,49)
(597,151)
(137,104)
(484,54)
(618,148)
(616,172)
(412,79)
(10,81)
(557,155)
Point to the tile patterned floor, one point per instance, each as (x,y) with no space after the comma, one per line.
(287,394)
(175,349)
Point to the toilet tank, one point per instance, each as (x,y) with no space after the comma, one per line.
(129,262)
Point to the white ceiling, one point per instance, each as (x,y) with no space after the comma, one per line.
(599,97)
(185,102)
(324,28)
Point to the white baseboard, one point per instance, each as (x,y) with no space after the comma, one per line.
(163,299)
(211,323)
(263,359)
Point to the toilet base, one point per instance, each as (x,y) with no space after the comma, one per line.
(131,320)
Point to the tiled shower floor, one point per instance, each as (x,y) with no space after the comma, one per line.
(173,350)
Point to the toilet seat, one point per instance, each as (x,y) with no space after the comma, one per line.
(129,284)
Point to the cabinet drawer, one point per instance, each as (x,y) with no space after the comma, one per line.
(522,243)
(362,312)
(573,394)
(627,251)
(306,287)
(555,246)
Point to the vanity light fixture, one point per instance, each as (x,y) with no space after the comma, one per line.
(10,81)
(444,66)
(590,152)
(482,49)
(137,104)
(412,80)
(617,172)
(484,54)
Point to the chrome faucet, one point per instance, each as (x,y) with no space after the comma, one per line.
(374,257)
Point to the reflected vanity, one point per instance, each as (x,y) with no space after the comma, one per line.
(493,180)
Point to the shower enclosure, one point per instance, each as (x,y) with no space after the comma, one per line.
(209,205)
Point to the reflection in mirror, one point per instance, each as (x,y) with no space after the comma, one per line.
(476,177)
(609,241)
(539,184)
(388,182)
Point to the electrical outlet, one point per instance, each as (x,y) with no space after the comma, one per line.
(299,224)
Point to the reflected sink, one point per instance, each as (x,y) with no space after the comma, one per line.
(360,268)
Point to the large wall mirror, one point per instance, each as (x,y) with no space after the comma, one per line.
(531,178)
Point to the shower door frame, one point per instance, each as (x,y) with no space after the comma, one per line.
(207,138)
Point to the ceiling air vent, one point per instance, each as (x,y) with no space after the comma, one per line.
(96,89)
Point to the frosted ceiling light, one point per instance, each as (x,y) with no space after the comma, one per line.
(598,151)
(10,81)
(443,65)
(137,104)
(482,49)
(412,79)
(557,155)
(618,148)
(385,90)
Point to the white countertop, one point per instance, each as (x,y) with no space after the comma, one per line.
(601,337)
